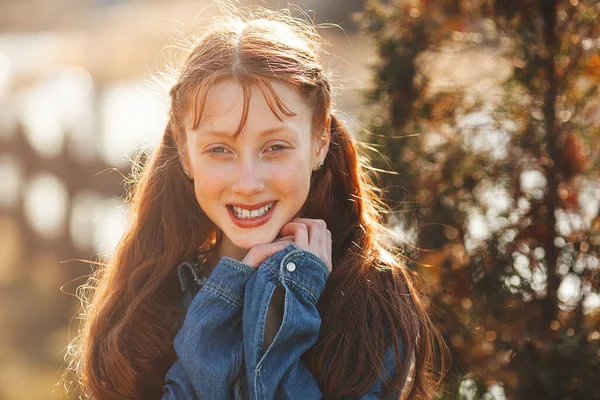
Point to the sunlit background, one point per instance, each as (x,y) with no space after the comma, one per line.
(78,99)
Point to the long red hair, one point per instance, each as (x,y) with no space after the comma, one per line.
(125,345)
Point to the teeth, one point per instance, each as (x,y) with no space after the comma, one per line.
(243,213)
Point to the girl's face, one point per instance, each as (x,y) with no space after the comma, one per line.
(252,186)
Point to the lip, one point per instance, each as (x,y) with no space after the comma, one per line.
(251,222)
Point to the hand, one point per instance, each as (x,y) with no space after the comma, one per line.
(311,235)
(260,252)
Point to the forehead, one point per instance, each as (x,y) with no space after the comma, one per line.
(231,106)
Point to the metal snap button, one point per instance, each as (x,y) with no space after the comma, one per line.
(291,267)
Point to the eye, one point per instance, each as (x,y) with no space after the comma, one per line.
(217,150)
(276,148)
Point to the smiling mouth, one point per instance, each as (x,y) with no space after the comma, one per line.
(245,218)
(244,213)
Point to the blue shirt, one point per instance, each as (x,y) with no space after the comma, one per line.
(220,344)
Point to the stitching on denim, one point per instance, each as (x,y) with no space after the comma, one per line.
(269,262)
(296,254)
(237,367)
(226,294)
(256,383)
(273,266)
(273,271)
(309,255)
(238,266)
(283,329)
(304,287)
(261,326)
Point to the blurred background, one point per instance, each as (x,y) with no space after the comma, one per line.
(485,113)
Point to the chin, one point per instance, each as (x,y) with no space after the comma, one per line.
(247,243)
(244,244)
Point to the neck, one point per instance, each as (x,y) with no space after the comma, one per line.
(226,248)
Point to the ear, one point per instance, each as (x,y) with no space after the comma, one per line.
(322,145)
(185,165)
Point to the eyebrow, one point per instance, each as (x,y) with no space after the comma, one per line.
(267,132)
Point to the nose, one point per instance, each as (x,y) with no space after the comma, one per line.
(249,179)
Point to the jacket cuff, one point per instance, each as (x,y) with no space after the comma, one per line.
(229,278)
(301,269)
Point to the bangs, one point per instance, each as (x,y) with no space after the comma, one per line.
(198,98)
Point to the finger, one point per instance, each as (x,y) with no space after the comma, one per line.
(261,252)
(289,238)
(299,231)
(317,230)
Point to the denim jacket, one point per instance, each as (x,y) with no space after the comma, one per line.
(219,346)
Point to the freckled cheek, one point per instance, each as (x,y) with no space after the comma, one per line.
(289,178)
(211,181)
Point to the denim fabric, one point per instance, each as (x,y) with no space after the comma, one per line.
(209,343)
(222,337)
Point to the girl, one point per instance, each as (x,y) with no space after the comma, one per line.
(253,265)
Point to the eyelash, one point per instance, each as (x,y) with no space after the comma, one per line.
(222,152)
